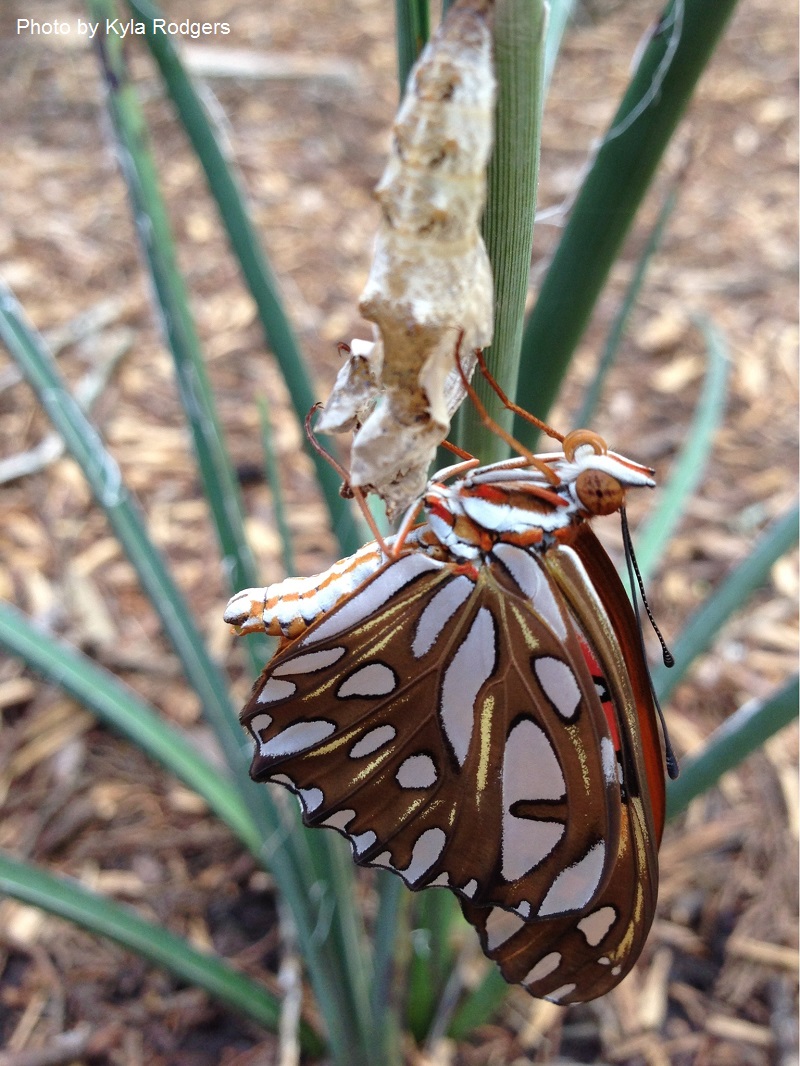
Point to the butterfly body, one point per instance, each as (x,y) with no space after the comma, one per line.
(463,712)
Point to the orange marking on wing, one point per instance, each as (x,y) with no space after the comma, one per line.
(596,670)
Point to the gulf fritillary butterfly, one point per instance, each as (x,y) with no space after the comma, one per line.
(468,703)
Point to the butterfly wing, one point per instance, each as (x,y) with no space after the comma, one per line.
(597,600)
(575,958)
(444,719)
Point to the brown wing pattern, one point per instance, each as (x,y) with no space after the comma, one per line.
(576,958)
(442,717)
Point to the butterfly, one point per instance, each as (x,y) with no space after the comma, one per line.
(468,703)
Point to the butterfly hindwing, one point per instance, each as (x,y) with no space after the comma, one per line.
(443,718)
(575,958)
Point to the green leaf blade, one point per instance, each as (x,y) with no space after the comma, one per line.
(70,900)
(675,57)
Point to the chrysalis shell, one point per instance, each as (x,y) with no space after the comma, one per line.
(430,277)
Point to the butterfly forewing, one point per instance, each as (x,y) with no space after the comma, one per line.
(572,959)
(597,600)
(443,718)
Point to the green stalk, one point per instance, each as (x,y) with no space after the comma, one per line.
(688,469)
(339,998)
(557,19)
(620,323)
(344,1000)
(412,30)
(519,44)
(226,189)
(69,899)
(747,730)
(676,56)
(432,960)
(702,628)
(120,707)
(390,926)
(153,229)
(482,1002)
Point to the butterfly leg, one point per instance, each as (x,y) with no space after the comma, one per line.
(489,422)
(350,492)
(515,407)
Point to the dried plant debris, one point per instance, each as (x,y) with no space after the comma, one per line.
(430,277)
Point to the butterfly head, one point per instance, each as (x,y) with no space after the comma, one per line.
(526,504)
(595,478)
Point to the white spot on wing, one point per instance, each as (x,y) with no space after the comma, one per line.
(609,759)
(374,679)
(426,851)
(438,613)
(533,583)
(530,767)
(530,772)
(559,685)
(470,888)
(311,798)
(543,967)
(275,690)
(469,669)
(298,737)
(595,926)
(372,740)
(258,723)
(500,927)
(362,841)
(526,842)
(340,819)
(558,995)
(417,771)
(373,596)
(575,886)
(310,661)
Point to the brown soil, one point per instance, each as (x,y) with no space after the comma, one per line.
(716,985)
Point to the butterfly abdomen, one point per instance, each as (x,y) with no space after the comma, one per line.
(287,608)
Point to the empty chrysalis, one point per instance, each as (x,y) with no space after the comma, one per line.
(430,279)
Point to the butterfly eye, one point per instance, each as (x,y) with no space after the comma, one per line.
(580,437)
(599,492)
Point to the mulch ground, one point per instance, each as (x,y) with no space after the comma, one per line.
(716,985)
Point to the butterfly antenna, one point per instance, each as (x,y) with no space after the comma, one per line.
(633,567)
(669,659)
